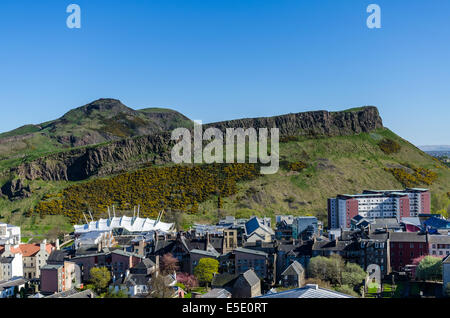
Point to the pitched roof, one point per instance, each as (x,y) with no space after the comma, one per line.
(137,279)
(437,223)
(446,260)
(217,293)
(439,239)
(308,291)
(30,249)
(249,251)
(224,279)
(213,253)
(254,223)
(6,260)
(407,237)
(294,268)
(13,282)
(251,277)
(73,293)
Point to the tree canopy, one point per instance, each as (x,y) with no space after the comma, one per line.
(335,271)
(206,269)
(429,268)
(100,278)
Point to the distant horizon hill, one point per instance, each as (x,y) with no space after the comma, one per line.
(439,148)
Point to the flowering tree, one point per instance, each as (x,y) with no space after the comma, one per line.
(189,281)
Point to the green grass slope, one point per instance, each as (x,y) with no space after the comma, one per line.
(335,165)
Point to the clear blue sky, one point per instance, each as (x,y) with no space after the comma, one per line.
(224,59)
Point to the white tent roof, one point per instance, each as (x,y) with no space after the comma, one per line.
(130,224)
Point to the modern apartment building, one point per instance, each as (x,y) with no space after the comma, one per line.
(377,204)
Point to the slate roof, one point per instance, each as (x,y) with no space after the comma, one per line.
(13,282)
(308,291)
(253,224)
(446,260)
(125,253)
(437,223)
(407,237)
(73,293)
(439,239)
(136,280)
(221,280)
(57,256)
(52,266)
(6,260)
(249,251)
(213,254)
(294,269)
(217,293)
(251,277)
(333,245)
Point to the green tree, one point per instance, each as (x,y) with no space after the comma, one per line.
(100,278)
(353,275)
(346,289)
(430,268)
(317,268)
(206,269)
(116,294)
(335,268)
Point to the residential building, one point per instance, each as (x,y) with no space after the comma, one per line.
(58,278)
(7,288)
(446,274)
(377,204)
(11,266)
(257,229)
(34,257)
(195,256)
(405,247)
(217,293)
(137,280)
(293,275)
(439,245)
(304,227)
(247,285)
(246,259)
(9,234)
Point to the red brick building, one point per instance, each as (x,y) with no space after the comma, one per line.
(405,247)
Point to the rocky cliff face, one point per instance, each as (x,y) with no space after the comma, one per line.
(126,154)
(323,123)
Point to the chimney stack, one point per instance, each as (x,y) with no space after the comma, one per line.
(57,244)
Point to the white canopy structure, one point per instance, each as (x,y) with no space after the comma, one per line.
(131,224)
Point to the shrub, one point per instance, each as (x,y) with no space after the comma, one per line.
(388,146)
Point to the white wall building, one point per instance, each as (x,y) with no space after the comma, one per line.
(9,234)
(11,266)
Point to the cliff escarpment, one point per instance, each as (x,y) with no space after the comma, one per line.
(126,154)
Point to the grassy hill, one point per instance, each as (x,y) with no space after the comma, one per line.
(101,121)
(313,168)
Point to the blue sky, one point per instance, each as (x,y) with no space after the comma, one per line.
(225,59)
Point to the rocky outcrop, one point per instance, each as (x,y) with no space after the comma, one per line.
(80,164)
(322,123)
(15,189)
(126,154)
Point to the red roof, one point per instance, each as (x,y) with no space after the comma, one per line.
(30,249)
